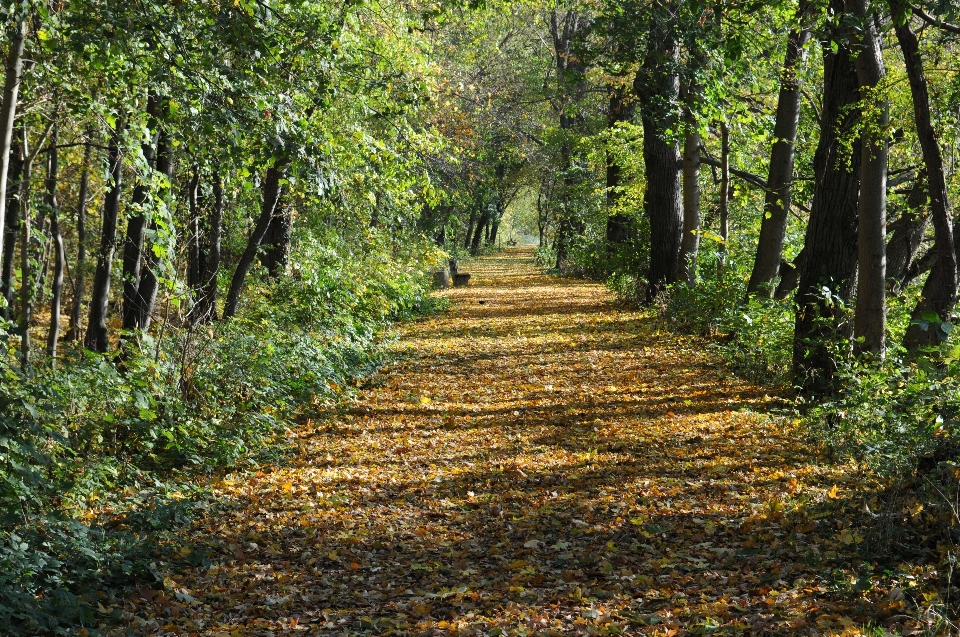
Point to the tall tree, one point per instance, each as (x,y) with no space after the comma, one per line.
(870,321)
(773,226)
(658,85)
(17,35)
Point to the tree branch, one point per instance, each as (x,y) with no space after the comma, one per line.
(937,22)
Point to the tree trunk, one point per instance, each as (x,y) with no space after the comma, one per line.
(773,226)
(276,244)
(8,110)
(469,236)
(26,289)
(906,235)
(870,320)
(53,178)
(658,86)
(690,240)
(75,313)
(619,225)
(207,303)
(12,223)
(830,244)
(133,256)
(97,336)
(724,197)
(478,233)
(271,194)
(940,289)
(193,232)
(147,290)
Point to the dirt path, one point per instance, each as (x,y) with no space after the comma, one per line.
(538,461)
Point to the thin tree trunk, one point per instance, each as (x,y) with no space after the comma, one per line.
(906,234)
(724,196)
(12,223)
(271,194)
(78,287)
(478,233)
(690,240)
(207,309)
(469,236)
(193,231)
(8,109)
(619,227)
(276,245)
(773,226)
(53,178)
(97,335)
(870,320)
(940,289)
(658,86)
(830,244)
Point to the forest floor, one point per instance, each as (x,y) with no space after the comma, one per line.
(537,460)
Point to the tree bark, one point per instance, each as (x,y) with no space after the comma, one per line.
(276,244)
(78,286)
(658,85)
(193,232)
(8,110)
(940,289)
(271,194)
(12,225)
(133,255)
(56,291)
(690,239)
(830,243)
(724,197)
(773,226)
(870,320)
(619,225)
(97,335)
(207,302)
(906,234)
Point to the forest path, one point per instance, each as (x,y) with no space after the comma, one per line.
(537,459)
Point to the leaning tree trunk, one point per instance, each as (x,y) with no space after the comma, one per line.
(8,110)
(276,244)
(12,224)
(830,244)
(56,291)
(906,234)
(478,232)
(773,226)
(74,332)
(940,289)
(658,86)
(870,320)
(97,336)
(271,194)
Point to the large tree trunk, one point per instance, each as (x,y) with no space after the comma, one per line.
(8,110)
(53,179)
(12,225)
(940,289)
(658,86)
(97,336)
(773,226)
(830,244)
(619,225)
(78,286)
(271,195)
(870,321)
(133,256)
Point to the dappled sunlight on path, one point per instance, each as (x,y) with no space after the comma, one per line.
(537,459)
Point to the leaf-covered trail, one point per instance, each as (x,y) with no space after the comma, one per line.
(536,460)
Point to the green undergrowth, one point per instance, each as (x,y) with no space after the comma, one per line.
(101,458)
